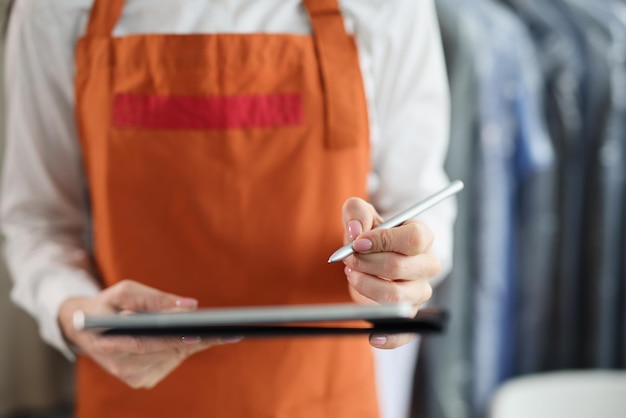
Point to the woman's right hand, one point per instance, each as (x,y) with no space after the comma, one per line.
(138,361)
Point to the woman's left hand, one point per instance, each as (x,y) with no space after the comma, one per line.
(388,265)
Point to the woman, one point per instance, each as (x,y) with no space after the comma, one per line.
(216,153)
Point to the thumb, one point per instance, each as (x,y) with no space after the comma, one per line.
(358,216)
(129,295)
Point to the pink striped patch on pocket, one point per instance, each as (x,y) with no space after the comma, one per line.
(132,110)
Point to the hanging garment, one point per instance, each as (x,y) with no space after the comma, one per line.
(599,302)
(510,152)
(444,373)
(561,63)
(214,163)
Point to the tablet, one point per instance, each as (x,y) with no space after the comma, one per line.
(330,319)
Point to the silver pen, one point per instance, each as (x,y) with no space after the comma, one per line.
(399,219)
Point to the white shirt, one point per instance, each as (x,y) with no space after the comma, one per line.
(44,211)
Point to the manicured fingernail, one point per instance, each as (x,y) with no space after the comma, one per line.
(378,340)
(354,229)
(190,340)
(232,339)
(362,244)
(187,303)
(347,270)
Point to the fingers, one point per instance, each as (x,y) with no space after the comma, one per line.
(390,341)
(402,253)
(145,345)
(395,266)
(152,345)
(143,362)
(204,343)
(140,371)
(134,296)
(357,216)
(390,291)
(146,378)
(411,238)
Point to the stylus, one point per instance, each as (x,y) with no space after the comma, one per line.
(404,216)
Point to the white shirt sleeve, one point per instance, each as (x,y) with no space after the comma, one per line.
(410,114)
(43,206)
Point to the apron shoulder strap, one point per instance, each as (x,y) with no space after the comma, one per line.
(321,7)
(104,16)
(340,74)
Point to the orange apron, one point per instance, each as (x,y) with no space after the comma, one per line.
(217,167)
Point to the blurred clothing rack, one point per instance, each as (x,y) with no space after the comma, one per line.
(539,138)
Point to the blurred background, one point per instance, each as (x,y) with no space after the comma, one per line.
(538,288)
